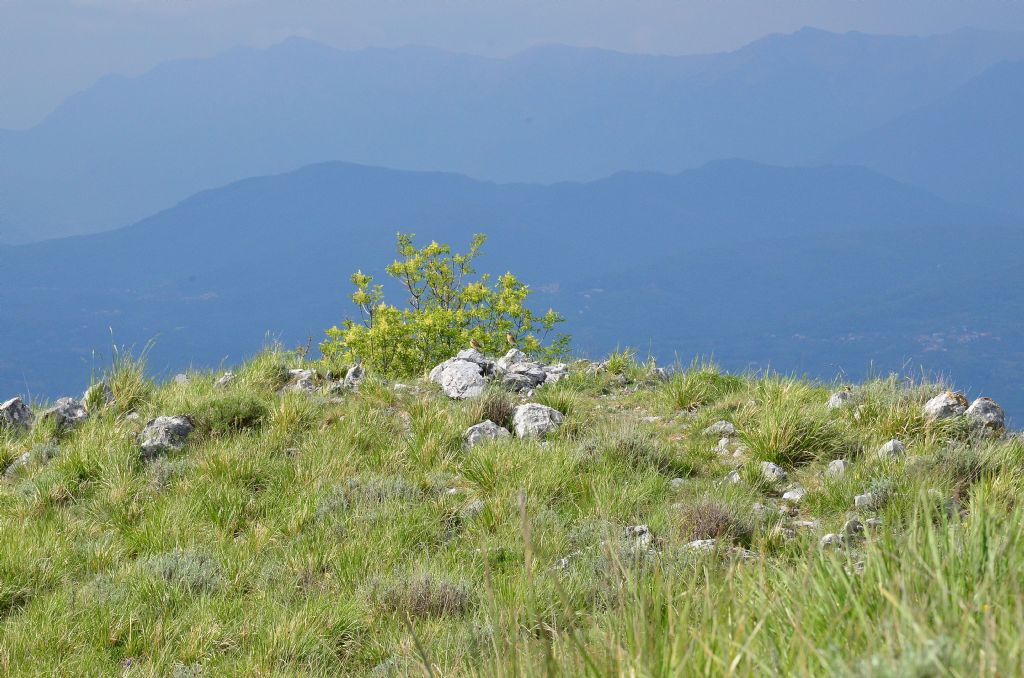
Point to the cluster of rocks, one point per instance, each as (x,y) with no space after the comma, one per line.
(303,380)
(65,413)
(470,371)
(530,420)
(984,413)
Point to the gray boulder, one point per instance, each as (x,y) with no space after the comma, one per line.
(165,434)
(181,378)
(944,405)
(66,413)
(721,428)
(864,501)
(838,399)
(893,449)
(303,381)
(794,495)
(534,420)
(837,468)
(15,414)
(354,377)
(459,379)
(986,413)
(773,472)
(832,541)
(488,430)
(853,528)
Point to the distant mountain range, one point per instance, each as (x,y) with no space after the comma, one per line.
(968,145)
(128,147)
(819,270)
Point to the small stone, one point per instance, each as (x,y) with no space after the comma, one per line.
(986,413)
(16,415)
(794,495)
(806,524)
(831,540)
(838,399)
(732,477)
(355,376)
(534,420)
(785,533)
(864,501)
(677,484)
(773,472)
(837,468)
(485,431)
(704,545)
(893,449)
(853,528)
(165,434)
(473,508)
(181,378)
(873,523)
(944,405)
(721,428)
(303,381)
(640,535)
(225,380)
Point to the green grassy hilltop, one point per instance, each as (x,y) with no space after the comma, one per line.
(325,531)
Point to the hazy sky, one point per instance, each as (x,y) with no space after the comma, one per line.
(52,48)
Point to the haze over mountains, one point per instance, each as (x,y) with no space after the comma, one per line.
(822,270)
(128,147)
(815,202)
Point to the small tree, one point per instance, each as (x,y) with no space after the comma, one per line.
(448,305)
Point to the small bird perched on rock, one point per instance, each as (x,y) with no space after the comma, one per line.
(475,344)
(509,339)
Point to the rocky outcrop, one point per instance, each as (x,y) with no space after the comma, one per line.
(165,434)
(534,420)
(468,373)
(15,414)
(303,381)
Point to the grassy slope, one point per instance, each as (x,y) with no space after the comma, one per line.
(299,536)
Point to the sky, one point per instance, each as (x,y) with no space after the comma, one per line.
(50,49)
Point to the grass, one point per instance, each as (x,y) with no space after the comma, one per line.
(355,534)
